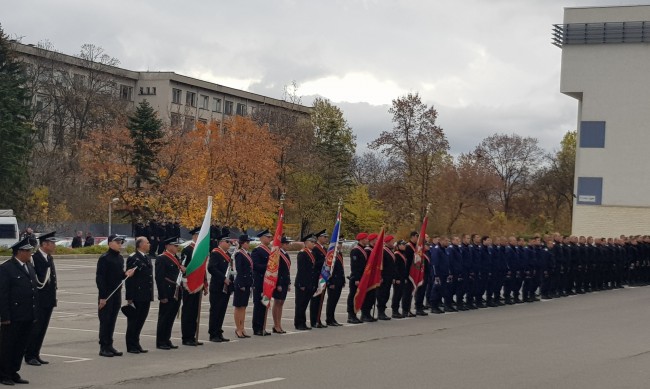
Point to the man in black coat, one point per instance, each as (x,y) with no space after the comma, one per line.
(335,285)
(260,256)
(191,299)
(407,288)
(316,303)
(46,280)
(139,294)
(358,259)
(168,273)
(109,276)
(387,276)
(220,268)
(303,282)
(18,310)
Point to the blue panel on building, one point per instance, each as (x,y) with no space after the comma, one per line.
(590,190)
(592,134)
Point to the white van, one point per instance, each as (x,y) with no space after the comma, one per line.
(9,233)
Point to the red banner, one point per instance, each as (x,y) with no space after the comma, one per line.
(416,272)
(271,275)
(371,277)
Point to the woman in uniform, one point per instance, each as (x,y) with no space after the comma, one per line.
(243,283)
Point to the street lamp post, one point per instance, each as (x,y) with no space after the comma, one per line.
(110,213)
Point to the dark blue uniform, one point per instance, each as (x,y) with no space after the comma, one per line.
(260,256)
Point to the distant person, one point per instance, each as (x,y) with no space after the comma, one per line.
(90,241)
(29,234)
(78,240)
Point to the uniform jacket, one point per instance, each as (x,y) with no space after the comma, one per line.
(110,272)
(166,273)
(284,276)
(244,267)
(47,292)
(388,265)
(306,262)
(217,267)
(358,259)
(319,255)
(337,277)
(260,256)
(18,292)
(139,287)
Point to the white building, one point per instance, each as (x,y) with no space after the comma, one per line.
(606,67)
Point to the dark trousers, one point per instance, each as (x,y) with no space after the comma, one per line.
(480,285)
(259,308)
(35,342)
(13,343)
(545,285)
(107,319)
(218,306)
(459,289)
(302,302)
(166,314)
(420,294)
(135,323)
(315,307)
(407,295)
(350,302)
(369,302)
(469,288)
(153,248)
(383,294)
(333,296)
(438,292)
(398,290)
(190,314)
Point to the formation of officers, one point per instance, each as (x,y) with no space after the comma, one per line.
(460,273)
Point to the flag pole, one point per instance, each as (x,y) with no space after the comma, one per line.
(336,246)
(198,314)
(266,310)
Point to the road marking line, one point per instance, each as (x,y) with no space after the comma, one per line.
(251,383)
(74,359)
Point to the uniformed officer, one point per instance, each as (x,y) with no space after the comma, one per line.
(387,276)
(420,294)
(440,275)
(316,303)
(243,284)
(282,286)
(18,310)
(221,287)
(335,285)
(358,259)
(371,295)
(46,280)
(169,273)
(303,282)
(191,298)
(456,276)
(260,256)
(400,279)
(139,294)
(407,293)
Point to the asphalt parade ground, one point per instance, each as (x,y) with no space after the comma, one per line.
(598,340)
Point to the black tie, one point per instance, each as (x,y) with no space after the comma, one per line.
(26,268)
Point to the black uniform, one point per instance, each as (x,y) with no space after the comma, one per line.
(219,291)
(166,272)
(284,276)
(18,306)
(303,283)
(335,285)
(110,273)
(244,278)
(316,303)
(260,258)
(420,294)
(358,259)
(387,277)
(139,290)
(407,288)
(46,302)
(398,283)
(191,302)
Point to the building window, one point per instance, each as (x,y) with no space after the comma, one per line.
(590,190)
(203,121)
(176,96)
(228,107)
(126,92)
(188,124)
(592,135)
(79,80)
(190,99)
(175,120)
(205,102)
(216,104)
(241,109)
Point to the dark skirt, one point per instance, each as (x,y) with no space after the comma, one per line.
(241,297)
(281,295)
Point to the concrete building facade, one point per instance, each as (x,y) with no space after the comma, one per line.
(606,67)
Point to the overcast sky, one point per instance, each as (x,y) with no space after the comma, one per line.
(486,65)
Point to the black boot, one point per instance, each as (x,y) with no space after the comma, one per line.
(382,316)
(353,319)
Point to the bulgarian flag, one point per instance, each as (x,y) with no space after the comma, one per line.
(195,271)
(272,266)
(416,272)
(371,277)
(332,251)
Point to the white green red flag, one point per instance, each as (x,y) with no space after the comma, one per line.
(195,271)
(272,266)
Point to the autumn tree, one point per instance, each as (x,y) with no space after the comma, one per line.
(15,129)
(514,159)
(361,213)
(416,149)
(146,135)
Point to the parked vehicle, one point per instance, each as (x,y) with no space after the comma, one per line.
(9,233)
